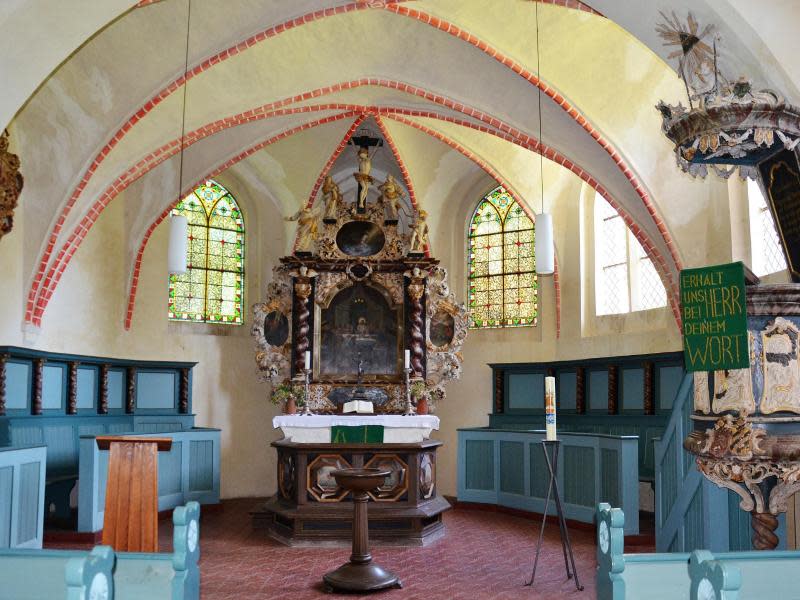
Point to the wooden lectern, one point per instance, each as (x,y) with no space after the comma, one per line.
(130,522)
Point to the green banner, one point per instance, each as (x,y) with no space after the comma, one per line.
(714,314)
(360,434)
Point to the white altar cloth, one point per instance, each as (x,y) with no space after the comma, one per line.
(397,429)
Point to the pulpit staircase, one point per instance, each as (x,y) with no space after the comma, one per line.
(691,512)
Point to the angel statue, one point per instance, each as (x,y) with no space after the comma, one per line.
(419,234)
(332,198)
(391,193)
(306,229)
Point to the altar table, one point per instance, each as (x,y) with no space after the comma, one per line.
(397,429)
(311,508)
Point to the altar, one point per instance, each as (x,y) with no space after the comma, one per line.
(358,319)
(393,429)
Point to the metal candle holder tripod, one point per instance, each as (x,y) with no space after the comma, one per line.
(551,458)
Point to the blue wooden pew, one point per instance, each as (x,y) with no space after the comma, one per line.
(55,574)
(167,576)
(700,575)
(76,574)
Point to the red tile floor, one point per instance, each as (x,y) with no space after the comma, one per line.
(483,556)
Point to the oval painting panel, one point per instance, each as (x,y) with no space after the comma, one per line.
(360,238)
(276,328)
(443,328)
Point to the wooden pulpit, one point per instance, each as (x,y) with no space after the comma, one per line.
(130,522)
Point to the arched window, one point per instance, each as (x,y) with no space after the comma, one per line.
(767,253)
(211,289)
(625,278)
(502,269)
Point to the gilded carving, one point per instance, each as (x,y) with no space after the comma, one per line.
(10,185)
(444,361)
(733,390)
(732,437)
(273,361)
(781,367)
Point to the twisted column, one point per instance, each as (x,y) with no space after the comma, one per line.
(764,526)
(102,396)
(36,396)
(416,288)
(130,396)
(302,295)
(3,359)
(72,388)
(183,392)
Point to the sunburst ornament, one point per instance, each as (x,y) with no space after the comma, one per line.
(695,56)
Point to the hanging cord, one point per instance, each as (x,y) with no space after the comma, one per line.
(185,85)
(539,87)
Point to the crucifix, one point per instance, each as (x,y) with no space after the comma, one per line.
(364,142)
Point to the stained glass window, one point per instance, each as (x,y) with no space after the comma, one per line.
(211,289)
(502,268)
(626,279)
(764,241)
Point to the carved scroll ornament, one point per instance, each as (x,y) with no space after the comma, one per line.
(273,360)
(10,185)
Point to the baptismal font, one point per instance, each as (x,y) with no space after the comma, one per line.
(362,295)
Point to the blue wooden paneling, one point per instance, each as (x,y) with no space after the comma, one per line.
(18,385)
(598,390)
(87,388)
(669,380)
(480,464)
(62,447)
(632,393)
(170,477)
(156,390)
(512,465)
(30,475)
(183,474)
(610,482)
(567,390)
(540,475)
(201,469)
(22,497)
(525,391)
(54,383)
(6,499)
(579,476)
(116,389)
(513,471)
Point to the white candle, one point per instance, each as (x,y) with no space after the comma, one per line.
(308,360)
(550,407)
(408,359)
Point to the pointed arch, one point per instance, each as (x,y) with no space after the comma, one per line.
(503,286)
(211,289)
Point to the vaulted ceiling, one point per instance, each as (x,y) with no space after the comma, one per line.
(275,88)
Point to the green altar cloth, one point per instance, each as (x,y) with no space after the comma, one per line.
(360,434)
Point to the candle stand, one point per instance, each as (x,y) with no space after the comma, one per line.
(410,411)
(551,458)
(306,408)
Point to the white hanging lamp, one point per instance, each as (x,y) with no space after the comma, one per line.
(176,255)
(179,224)
(544,246)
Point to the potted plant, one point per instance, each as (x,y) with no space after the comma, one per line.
(288,395)
(420,394)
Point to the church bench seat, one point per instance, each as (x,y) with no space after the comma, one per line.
(56,574)
(751,575)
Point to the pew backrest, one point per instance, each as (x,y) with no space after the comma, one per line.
(623,576)
(712,579)
(173,576)
(56,574)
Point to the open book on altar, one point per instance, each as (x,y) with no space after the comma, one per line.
(358,406)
